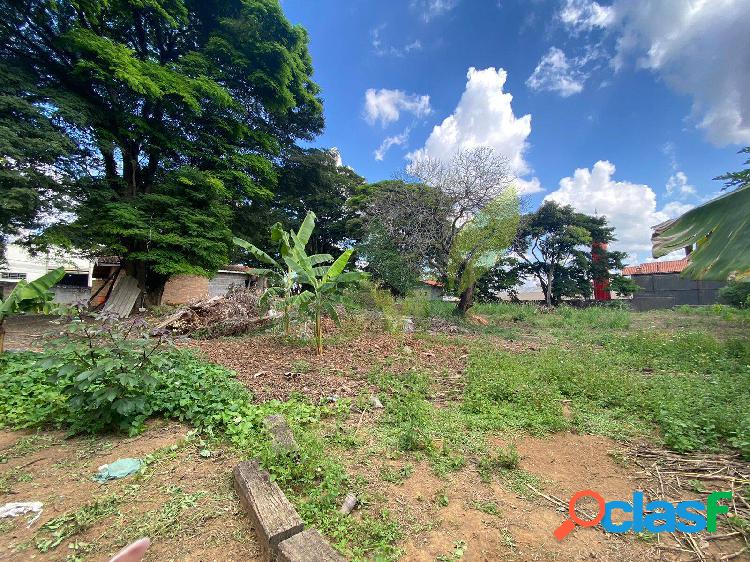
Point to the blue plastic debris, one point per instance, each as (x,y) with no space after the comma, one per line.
(118,469)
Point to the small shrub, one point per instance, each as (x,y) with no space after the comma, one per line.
(106,371)
(386,304)
(737,294)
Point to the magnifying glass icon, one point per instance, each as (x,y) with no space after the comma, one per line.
(569,524)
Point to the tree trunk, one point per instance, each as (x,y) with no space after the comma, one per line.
(318,334)
(466,300)
(2,335)
(548,292)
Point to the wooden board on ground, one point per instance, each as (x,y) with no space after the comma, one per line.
(282,438)
(308,546)
(272,515)
(123,296)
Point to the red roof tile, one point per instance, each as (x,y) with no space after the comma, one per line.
(432,283)
(675,266)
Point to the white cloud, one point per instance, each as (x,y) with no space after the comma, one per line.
(381,48)
(698,47)
(386,105)
(585,15)
(677,184)
(483,117)
(629,207)
(527,187)
(555,73)
(388,142)
(430,9)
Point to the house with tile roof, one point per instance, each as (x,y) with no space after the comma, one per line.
(663,287)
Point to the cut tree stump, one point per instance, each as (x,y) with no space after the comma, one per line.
(272,515)
(282,438)
(308,546)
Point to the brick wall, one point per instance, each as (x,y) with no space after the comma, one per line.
(182,289)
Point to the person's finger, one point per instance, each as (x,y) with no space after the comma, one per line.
(133,552)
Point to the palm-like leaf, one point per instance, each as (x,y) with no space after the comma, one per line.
(256,252)
(338,266)
(721,228)
(306,229)
(317,259)
(32,295)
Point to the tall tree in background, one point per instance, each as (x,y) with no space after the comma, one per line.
(35,156)
(309,180)
(176,108)
(452,219)
(553,245)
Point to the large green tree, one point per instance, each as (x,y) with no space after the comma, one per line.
(34,156)
(176,111)
(310,180)
(553,245)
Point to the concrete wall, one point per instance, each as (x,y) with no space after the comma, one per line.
(666,290)
(220,284)
(66,294)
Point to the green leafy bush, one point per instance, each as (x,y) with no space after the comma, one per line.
(694,388)
(106,370)
(736,294)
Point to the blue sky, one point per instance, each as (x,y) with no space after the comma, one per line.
(647,99)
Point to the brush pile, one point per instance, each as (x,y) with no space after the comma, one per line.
(231,315)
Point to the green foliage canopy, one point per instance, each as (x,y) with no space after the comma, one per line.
(175,110)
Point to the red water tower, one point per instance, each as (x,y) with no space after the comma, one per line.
(601,286)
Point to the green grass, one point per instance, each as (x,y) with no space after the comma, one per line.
(693,387)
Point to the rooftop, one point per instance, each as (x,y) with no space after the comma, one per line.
(675,266)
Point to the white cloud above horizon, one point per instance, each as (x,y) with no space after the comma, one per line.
(698,48)
(381,48)
(484,117)
(386,105)
(556,73)
(388,142)
(430,9)
(585,15)
(629,207)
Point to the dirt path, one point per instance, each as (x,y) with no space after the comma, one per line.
(183,500)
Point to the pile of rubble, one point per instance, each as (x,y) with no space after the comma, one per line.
(231,315)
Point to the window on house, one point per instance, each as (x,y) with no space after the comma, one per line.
(12,275)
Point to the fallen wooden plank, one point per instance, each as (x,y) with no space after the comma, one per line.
(282,438)
(125,292)
(308,546)
(273,517)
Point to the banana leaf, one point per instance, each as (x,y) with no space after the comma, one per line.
(31,296)
(256,252)
(306,229)
(721,229)
(338,266)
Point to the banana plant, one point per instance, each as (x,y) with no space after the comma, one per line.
(721,229)
(325,284)
(29,296)
(283,282)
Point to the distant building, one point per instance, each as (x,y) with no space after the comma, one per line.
(434,289)
(662,287)
(21,265)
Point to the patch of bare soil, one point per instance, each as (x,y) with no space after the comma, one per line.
(25,331)
(183,500)
(271,368)
(462,517)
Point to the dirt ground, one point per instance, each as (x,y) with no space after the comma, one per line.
(181,499)
(184,499)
